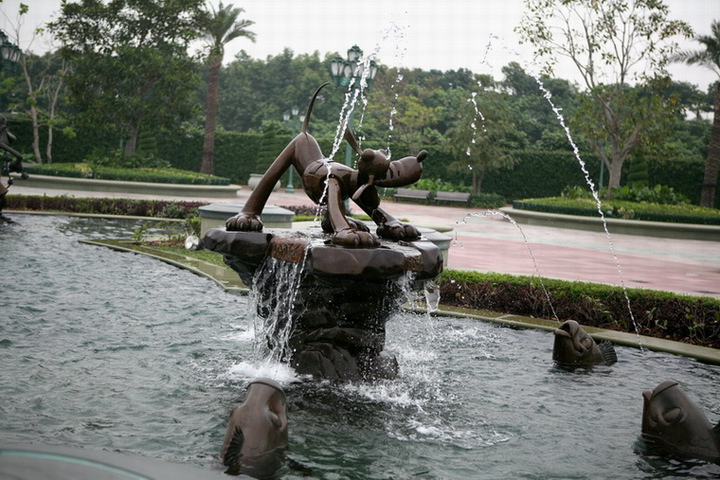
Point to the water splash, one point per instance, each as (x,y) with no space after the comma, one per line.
(558,114)
(527,245)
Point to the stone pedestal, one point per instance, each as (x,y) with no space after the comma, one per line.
(340,301)
(215,214)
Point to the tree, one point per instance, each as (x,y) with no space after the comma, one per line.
(611,43)
(223,27)
(128,61)
(709,57)
(478,141)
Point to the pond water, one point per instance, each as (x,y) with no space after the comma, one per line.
(117,351)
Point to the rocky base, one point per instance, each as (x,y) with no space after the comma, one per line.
(340,303)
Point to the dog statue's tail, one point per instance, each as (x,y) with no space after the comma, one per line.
(306,122)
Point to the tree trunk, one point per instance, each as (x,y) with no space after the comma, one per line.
(51,114)
(208,155)
(32,93)
(36,134)
(131,142)
(712,163)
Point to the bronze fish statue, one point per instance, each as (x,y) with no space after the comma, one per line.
(573,347)
(674,424)
(257,433)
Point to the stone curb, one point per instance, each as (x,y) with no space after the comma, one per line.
(684,231)
(141,188)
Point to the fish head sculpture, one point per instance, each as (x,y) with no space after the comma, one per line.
(672,422)
(257,433)
(574,347)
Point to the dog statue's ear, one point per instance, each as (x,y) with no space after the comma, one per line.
(422,155)
(351,140)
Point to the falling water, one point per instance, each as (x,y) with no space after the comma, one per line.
(478,113)
(548,96)
(274,322)
(400,52)
(355,91)
(527,245)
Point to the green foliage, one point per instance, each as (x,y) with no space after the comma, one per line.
(438,185)
(274,140)
(584,206)
(235,153)
(659,194)
(129,62)
(142,159)
(638,173)
(487,200)
(620,35)
(476,139)
(660,314)
(147,145)
(208,256)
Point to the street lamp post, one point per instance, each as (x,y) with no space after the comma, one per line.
(289,118)
(10,56)
(9,53)
(350,74)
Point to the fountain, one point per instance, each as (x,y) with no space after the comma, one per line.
(326,293)
(84,366)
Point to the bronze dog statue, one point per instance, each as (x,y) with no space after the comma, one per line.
(329,183)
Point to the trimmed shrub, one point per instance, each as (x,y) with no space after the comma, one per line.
(682,318)
(653,212)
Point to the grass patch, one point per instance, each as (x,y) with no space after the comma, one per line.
(203,255)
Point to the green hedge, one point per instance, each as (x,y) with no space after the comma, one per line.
(683,318)
(622,209)
(537,173)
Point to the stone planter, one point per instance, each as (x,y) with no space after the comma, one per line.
(255,179)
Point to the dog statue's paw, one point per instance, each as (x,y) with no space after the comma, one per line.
(244,223)
(356,224)
(398,231)
(355,238)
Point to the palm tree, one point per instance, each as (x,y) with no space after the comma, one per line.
(223,27)
(709,57)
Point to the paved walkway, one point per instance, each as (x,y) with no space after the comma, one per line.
(488,242)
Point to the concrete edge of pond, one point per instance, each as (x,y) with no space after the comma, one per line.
(121,186)
(229,281)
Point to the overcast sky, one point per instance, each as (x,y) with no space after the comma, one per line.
(428,34)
